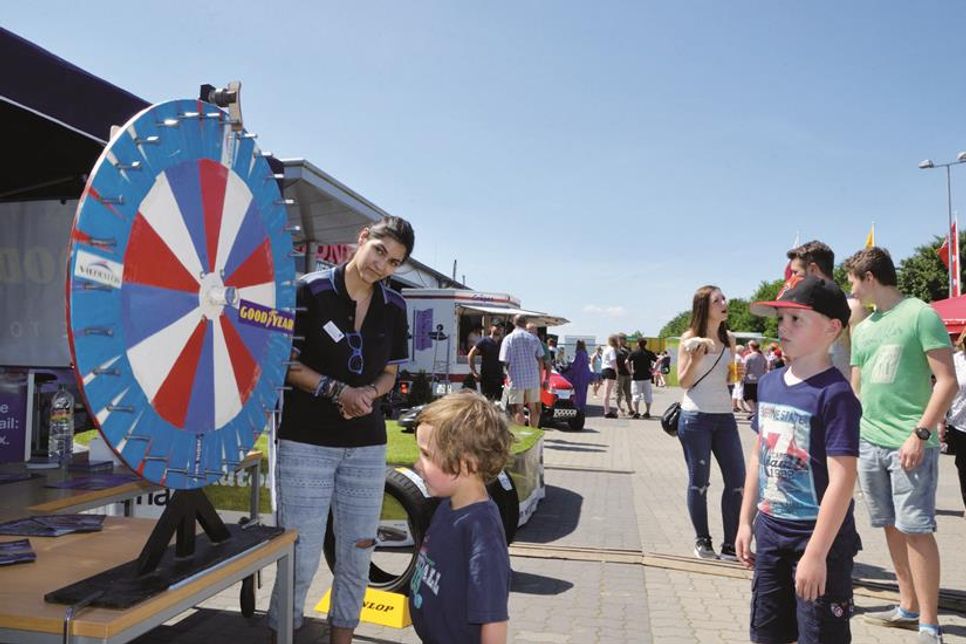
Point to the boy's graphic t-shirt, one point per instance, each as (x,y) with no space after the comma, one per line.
(462,577)
(890,350)
(799,426)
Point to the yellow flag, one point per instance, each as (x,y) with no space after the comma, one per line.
(870,238)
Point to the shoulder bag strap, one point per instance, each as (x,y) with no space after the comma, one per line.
(720,355)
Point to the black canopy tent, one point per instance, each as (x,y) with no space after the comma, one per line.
(57,117)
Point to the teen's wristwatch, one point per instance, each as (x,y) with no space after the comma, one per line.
(923,433)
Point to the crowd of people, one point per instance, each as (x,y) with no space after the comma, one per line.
(629,375)
(787,511)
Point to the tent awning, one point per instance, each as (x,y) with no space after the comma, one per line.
(57,118)
(541,319)
(953,313)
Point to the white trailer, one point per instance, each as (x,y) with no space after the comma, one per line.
(443,321)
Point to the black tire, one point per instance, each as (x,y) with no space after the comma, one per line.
(576,423)
(418,513)
(508,501)
(546,416)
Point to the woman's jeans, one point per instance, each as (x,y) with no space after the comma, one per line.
(353,479)
(701,436)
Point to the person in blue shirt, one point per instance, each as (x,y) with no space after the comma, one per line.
(801,476)
(461,585)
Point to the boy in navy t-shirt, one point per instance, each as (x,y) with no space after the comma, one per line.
(801,477)
(461,586)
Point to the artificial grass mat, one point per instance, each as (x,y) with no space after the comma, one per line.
(401,450)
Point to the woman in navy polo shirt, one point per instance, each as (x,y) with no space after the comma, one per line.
(350,336)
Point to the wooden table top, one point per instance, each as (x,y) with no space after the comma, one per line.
(24,498)
(64,560)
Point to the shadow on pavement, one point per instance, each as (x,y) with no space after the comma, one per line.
(560,441)
(574,448)
(530,584)
(868,571)
(950,513)
(223,627)
(558,516)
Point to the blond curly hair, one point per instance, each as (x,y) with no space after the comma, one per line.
(468,428)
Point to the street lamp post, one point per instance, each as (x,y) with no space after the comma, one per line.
(929,165)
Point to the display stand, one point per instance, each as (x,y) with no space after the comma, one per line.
(161,566)
(180,514)
(181,308)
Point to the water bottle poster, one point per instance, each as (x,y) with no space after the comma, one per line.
(13,416)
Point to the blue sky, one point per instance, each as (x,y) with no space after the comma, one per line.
(598,160)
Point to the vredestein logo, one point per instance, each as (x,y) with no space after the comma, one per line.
(98,269)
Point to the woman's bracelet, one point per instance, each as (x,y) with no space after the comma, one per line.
(322,385)
(329,388)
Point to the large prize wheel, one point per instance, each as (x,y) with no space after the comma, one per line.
(180,293)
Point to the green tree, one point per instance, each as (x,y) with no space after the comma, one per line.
(923,274)
(677,325)
(767,292)
(740,318)
(841,277)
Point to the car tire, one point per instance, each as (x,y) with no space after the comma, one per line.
(418,510)
(576,423)
(546,417)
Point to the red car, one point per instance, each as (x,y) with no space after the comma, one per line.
(557,399)
(557,403)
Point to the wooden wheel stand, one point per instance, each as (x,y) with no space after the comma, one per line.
(160,565)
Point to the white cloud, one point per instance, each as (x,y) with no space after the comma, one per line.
(607,311)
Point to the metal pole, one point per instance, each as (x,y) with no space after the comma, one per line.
(949,229)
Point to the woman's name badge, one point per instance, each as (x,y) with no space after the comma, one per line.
(334,332)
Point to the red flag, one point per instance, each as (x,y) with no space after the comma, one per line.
(943,252)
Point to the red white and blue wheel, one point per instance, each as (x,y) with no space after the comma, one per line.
(180,293)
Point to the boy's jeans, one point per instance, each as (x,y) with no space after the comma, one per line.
(353,479)
(701,436)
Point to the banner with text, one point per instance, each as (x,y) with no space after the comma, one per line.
(33,267)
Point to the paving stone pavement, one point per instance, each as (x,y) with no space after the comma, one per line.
(618,484)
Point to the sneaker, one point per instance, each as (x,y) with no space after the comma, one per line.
(646,415)
(703,548)
(610,414)
(728,553)
(892,618)
(928,637)
(636,415)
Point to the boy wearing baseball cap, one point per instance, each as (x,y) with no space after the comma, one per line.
(801,475)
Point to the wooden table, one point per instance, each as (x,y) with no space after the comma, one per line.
(32,497)
(26,618)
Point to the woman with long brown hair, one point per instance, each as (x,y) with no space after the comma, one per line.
(707,425)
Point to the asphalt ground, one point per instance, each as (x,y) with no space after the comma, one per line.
(617,487)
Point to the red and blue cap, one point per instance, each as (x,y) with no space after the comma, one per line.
(810,293)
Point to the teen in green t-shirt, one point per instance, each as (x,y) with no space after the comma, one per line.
(894,353)
(891,349)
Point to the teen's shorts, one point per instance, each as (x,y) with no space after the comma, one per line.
(608,374)
(895,497)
